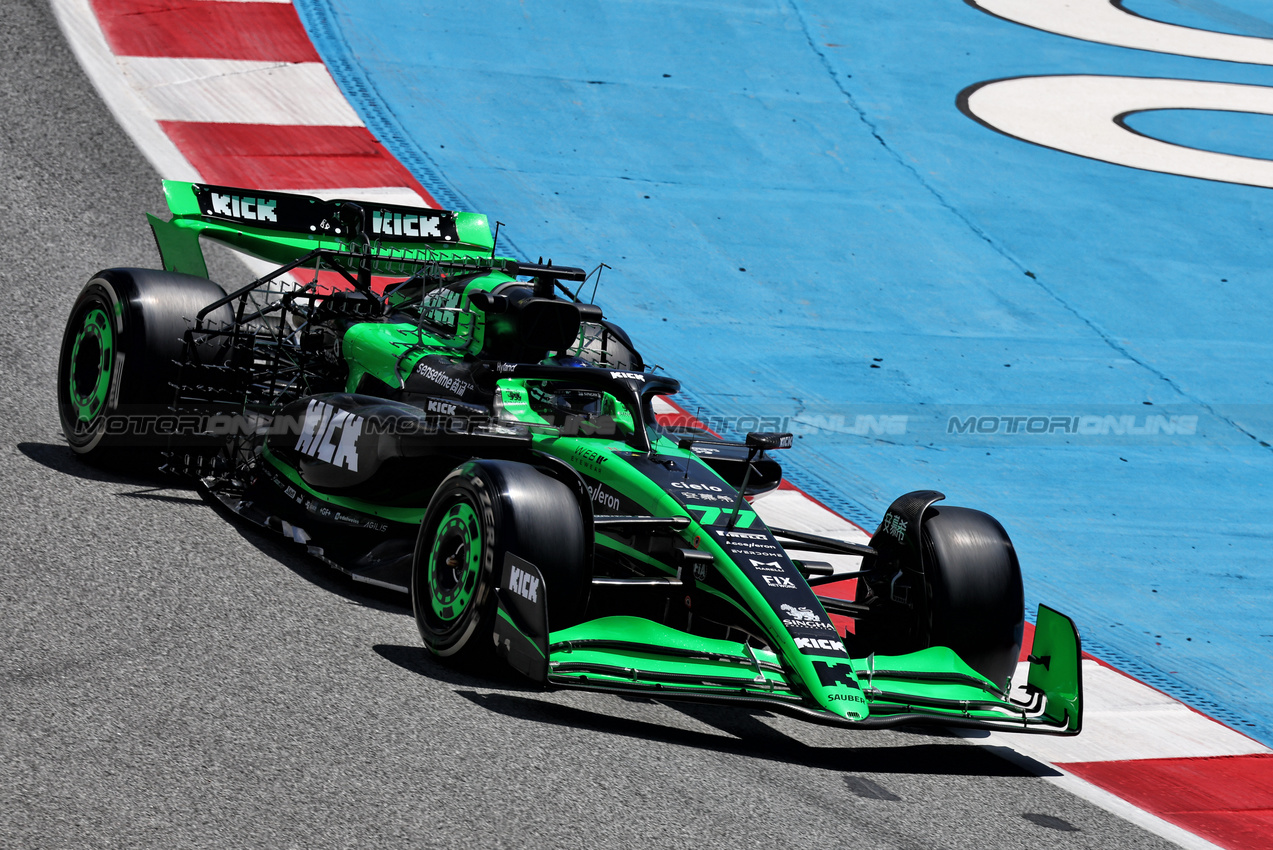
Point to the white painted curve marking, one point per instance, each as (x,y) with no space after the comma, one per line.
(402,195)
(231,91)
(1125,720)
(1076,114)
(793,509)
(1103,22)
(79,25)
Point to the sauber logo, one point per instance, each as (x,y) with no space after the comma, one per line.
(832,675)
(331,435)
(523,584)
(819,643)
(249,209)
(387,223)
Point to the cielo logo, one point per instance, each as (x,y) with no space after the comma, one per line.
(1086,114)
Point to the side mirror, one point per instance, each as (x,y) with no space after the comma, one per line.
(766,440)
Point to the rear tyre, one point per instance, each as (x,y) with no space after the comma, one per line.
(480,512)
(975,602)
(125,331)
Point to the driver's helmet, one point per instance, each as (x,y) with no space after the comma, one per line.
(562,398)
(564,360)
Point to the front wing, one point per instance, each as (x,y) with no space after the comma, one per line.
(933,686)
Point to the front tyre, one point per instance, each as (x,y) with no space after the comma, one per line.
(975,601)
(481,512)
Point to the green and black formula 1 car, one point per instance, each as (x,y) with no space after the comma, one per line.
(427,416)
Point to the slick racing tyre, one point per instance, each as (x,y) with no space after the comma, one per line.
(480,512)
(975,601)
(120,356)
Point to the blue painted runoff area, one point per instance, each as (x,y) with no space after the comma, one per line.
(808,232)
(1240,133)
(1235,17)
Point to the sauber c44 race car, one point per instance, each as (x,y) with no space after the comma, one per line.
(427,416)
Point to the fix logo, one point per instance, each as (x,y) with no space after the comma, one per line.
(523,584)
(331,435)
(819,643)
(767,566)
(248,209)
(836,675)
(894,526)
(386,223)
(781,582)
(631,376)
(805,614)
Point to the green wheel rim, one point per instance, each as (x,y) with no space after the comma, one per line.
(92,359)
(455,561)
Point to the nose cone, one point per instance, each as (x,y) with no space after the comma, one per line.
(834,685)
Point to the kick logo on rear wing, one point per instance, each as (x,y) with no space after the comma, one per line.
(304,214)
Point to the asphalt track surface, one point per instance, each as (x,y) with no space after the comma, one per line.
(168,680)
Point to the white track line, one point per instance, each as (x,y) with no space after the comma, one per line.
(1127,720)
(233,91)
(83,33)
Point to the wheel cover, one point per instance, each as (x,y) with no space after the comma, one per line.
(92,360)
(455,562)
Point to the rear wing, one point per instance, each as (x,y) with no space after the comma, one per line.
(281,227)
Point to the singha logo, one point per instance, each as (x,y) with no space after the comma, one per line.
(798,613)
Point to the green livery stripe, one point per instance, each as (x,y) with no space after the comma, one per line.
(407,516)
(638,630)
(633,649)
